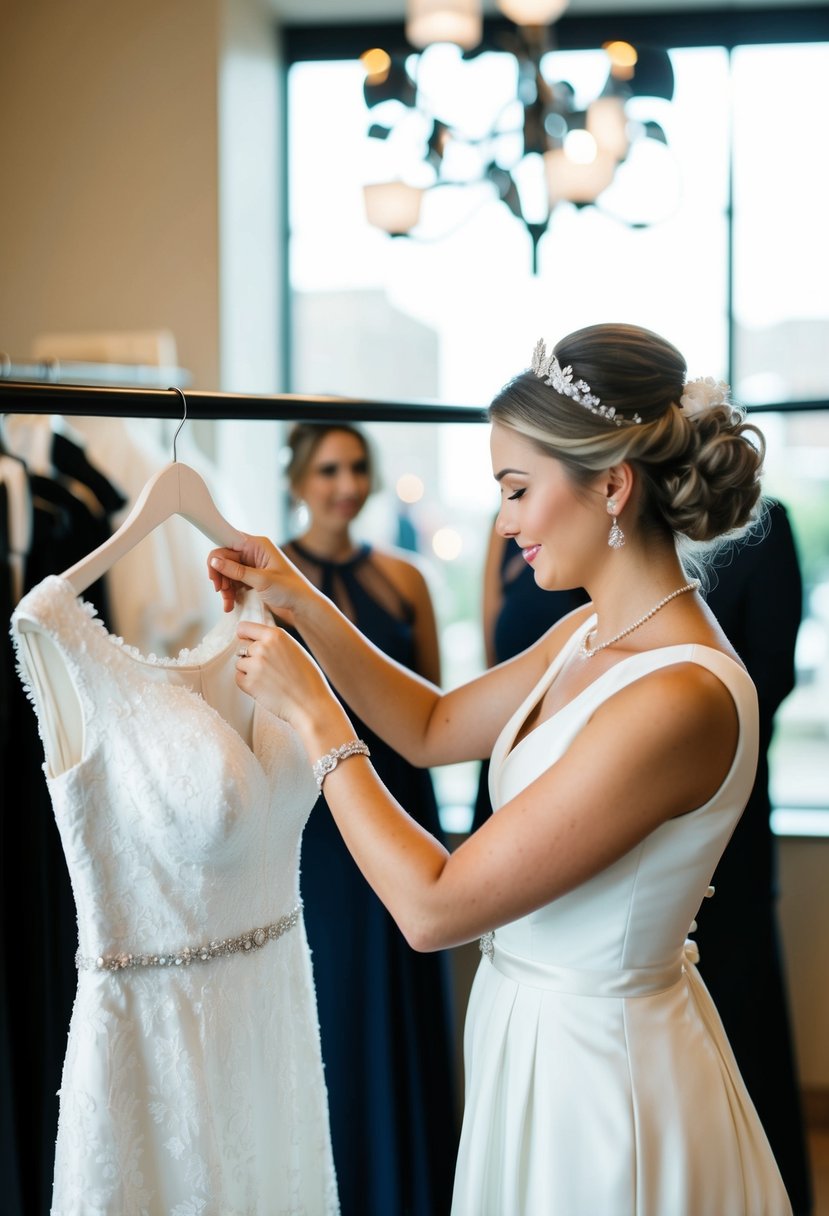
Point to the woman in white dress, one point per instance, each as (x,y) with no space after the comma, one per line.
(623,744)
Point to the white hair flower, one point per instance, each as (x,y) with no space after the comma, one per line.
(703,394)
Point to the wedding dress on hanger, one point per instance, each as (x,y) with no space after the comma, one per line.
(193,1077)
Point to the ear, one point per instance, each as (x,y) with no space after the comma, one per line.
(617,483)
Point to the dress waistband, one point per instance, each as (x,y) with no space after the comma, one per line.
(635,981)
(245,943)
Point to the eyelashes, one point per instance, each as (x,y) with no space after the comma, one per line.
(518,494)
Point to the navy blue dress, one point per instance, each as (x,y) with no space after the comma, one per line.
(385,1010)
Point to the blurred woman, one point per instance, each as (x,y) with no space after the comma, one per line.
(385,1010)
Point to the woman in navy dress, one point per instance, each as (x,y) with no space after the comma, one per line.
(385,1010)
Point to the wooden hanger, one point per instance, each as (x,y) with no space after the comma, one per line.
(177,489)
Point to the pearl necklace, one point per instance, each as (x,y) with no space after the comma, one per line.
(587,652)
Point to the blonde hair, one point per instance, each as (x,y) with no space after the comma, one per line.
(700,475)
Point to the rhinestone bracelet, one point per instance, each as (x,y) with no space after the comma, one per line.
(244,943)
(327,763)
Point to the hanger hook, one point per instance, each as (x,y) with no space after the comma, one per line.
(173,389)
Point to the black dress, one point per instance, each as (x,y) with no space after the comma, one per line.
(385,1011)
(756,596)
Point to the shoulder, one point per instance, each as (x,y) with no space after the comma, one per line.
(683,703)
(405,570)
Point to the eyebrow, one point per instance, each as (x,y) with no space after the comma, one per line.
(504,472)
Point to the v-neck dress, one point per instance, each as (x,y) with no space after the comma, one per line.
(192,1082)
(599,1080)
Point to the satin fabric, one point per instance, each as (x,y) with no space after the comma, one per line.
(599,1080)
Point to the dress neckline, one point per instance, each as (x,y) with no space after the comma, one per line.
(363,550)
(215,644)
(533,698)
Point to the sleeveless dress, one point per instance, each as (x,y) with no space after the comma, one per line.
(599,1078)
(385,1010)
(192,1082)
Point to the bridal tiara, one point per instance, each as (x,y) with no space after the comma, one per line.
(548,369)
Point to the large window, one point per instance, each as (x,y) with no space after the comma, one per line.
(734,269)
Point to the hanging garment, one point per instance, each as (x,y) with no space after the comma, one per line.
(598,1075)
(61,527)
(193,1079)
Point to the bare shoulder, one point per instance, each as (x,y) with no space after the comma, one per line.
(683,709)
(406,570)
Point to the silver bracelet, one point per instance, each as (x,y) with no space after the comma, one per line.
(327,763)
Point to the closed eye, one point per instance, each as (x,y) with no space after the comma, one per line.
(517,494)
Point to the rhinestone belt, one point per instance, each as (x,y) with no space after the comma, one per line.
(245,943)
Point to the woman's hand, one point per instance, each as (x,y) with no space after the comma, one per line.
(259,566)
(281,676)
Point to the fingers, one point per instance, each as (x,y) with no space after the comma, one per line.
(251,631)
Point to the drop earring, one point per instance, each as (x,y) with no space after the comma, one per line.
(615,537)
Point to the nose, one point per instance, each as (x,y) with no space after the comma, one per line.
(503,526)
(348,483)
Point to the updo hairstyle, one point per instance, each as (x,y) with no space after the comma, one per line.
(699,475)
(305,437)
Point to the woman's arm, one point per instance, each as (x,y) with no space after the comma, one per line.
(425,726)
(658,748)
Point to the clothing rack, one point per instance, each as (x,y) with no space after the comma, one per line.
(26,397)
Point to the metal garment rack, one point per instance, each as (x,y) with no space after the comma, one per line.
(27,397)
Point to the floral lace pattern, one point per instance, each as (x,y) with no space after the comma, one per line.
(188,1091)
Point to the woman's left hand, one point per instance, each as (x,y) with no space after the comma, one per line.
(282,677)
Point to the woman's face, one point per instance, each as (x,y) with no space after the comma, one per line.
(336,484)
(557,524)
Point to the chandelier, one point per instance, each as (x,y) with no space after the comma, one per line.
(506,130)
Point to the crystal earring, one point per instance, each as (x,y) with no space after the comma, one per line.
(616,537)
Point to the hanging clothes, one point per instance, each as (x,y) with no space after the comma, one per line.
(70,513)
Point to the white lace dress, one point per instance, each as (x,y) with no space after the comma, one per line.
(599,1080)
(192,1082)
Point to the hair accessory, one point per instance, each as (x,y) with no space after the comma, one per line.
(703,394)
(327,763)
(548,369)
(586,651)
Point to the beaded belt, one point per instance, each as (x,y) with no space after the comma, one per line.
(245,943)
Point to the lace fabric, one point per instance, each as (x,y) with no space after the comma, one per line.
(185,1089)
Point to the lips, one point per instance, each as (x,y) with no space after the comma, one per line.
(531,553)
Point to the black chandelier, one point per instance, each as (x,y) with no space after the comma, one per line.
(539,147)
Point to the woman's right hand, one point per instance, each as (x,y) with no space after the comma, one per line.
(261,567)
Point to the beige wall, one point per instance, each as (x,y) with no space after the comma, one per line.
(139,191)
(108,200)
(804,922)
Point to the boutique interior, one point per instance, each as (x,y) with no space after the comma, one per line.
(219,218)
